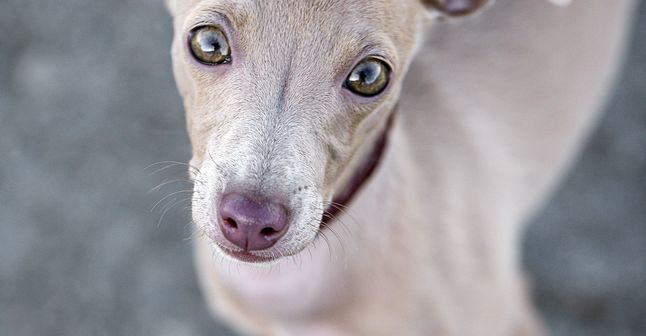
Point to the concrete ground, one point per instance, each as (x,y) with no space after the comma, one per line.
(87,101)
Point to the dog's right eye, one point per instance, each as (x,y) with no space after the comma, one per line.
(369,78)
(210,46)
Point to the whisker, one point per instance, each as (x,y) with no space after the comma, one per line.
(171,204)
(173,162)
(170,164)
(165,183)
(338,237)
(342,223)
(324,237)
(194,233)
(167,196)
(167,208)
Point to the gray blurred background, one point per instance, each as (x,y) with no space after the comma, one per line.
(87,102)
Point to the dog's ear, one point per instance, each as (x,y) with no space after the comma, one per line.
(459,8)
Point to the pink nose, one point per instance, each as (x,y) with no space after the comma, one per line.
(250,224)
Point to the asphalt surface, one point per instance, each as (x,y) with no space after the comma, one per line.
(87,102)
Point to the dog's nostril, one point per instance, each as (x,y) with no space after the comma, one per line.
(230,223)
(267,232)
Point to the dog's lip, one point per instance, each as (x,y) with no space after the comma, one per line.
(246,256)
(341,200)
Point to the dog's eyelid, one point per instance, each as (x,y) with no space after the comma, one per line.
(201,23)
(375,51)
(380,58)
(210,18)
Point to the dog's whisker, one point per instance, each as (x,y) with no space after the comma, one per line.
(323,236)
(172,162)
(336,221)
(344,209)
(168,165)
(167,207)
(168,196)
(308,248)
(337,236)
(196,232)
(193,235)
(165,183)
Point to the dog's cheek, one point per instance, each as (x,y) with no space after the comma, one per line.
(180,71)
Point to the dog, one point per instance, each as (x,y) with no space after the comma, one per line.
(364,167)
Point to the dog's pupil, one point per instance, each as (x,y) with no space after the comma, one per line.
(210,43)
(366,73)
(369,73)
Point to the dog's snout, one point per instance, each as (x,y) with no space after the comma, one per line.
(252,224)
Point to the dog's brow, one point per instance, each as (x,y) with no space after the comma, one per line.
(233,14)
(208,17)
(353,55)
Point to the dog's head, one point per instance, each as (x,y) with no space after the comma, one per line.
(287,106)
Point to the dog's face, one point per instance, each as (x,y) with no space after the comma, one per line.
(284,99)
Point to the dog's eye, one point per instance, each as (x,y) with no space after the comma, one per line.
(369,78)
(209,45)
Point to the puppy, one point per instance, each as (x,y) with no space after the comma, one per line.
(344,186)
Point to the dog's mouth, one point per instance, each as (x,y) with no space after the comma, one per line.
(246,257)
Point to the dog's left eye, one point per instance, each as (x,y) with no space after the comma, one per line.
(369,78)
(210,46)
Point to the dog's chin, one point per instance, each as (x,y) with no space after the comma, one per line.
(255,258)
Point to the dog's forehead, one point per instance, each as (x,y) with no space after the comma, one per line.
(378,10)
(336,25)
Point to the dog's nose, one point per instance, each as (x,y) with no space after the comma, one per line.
(251,224)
